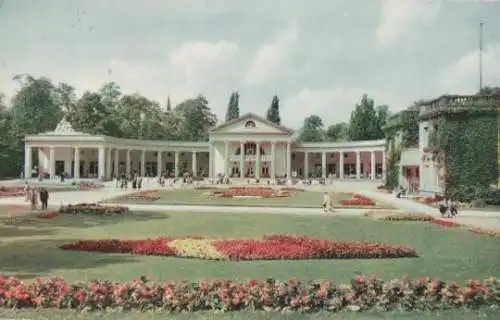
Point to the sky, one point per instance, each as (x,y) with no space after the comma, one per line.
(318,56)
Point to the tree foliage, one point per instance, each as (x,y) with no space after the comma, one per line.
(366,122)
(312,130)
(337,132)
(233,108)
(273,113)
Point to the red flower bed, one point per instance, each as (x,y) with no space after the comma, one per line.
(92,208)
(147,195)
(358,200)
(292,189)
(292,247)
(48,215)
(383,188)
(88,185)
(445,223)
(148,247)
(258,192)
(275,247)
(487,232)
(7,192)
(361,294)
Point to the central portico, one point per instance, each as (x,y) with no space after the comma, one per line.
(251,146)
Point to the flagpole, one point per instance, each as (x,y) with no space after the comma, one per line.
(480,56)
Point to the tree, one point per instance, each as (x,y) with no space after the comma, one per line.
(363,124)
(169,106)
(382,116)
(336,132)
(233,108)
(312,130)
(273,113)
(197,119)
(66,97)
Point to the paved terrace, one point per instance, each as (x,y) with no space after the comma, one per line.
(485,219)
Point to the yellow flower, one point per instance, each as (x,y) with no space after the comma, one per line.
(196,248)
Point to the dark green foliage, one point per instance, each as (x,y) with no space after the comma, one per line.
(312,130)
(365,123)
(469,142)
(233,108)
(392,170)
(409,124)
(273,113)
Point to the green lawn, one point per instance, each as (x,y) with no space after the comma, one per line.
(29,249)
(297,199)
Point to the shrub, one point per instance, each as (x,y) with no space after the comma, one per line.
(147,195)
(361,294)
(410,216)
(92,208)
(275,247)
(487,232)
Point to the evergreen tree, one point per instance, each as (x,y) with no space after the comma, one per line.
(273,113)
(169,106)
(233,108)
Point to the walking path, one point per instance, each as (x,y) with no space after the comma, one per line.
(482,219)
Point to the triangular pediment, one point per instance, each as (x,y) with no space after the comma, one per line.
(250,123)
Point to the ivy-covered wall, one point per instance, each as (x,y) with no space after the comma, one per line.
(469,143)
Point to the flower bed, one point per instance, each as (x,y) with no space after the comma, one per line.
(249,192)
(428,200)
(147,195)
(7,192)
(409,216)
(292,189)
(445,223)
(358,200)
(274,247)
(487,232)
(383,188)
(361,294)
(92,208)
(48,214)
(88,185)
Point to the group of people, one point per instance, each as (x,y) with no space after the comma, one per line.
(33,194)
(328,202)
(123,181)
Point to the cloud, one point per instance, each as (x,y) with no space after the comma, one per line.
(196,66)
(398,18)
(332,105)
(462,77)
(269,58)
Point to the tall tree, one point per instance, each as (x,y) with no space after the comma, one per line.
(312,130)
(66,96)
(363,124)
(198,119)
(336,132)
(169,106)
(233,108)
(273,113)
(382,116)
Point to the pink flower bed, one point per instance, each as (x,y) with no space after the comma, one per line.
(7,192)
(361,294)
(445,223)
(257,192)
(358,200)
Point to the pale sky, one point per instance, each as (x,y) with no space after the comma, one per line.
(319,56)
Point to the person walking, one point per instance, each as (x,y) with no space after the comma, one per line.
(326,202)
(33,198)
(44,198)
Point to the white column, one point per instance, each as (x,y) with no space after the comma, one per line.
(117,163)
(341,165)
(273,160)
(143,163)
(211,160)
(384,165)
(257,160)
(52,162)
(358,165)
(176,163)
(159,163)
(76,164)
(323,165)
(194,164)
(108,163)
(226,157)
(306,165)
(101,163)
(127,165)
(242,159)
(27,162)
(373,164)
(289,161)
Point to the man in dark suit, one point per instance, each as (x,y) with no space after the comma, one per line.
(44,198)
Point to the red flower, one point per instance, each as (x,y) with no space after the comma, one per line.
(445,223)
(252,282)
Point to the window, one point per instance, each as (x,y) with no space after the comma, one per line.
(249,124)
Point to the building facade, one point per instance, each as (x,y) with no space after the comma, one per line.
(246,147)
